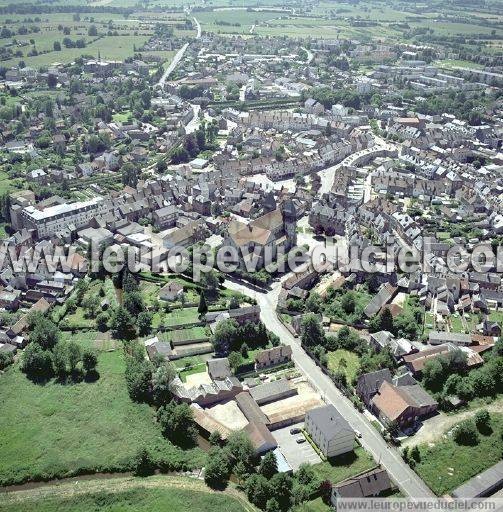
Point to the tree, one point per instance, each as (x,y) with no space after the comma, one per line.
(483,420)
(138,375)
(240,449)
(433,374)
(348,303)
(57,46)
(102,322)
(466,433)
(217,470)
(133,302)
(44,331)
(6,359)
(202,309)
(258,490)
(36,362)
(121,323)
(144,323)
(282,484)
(162,380)
(89,361)
(143,463)
(93,31)
(215,438)
(272,505)
(311,331)
(177,423)
(235,360)
(415,453)
(313,303)
(268,466)
(224,335)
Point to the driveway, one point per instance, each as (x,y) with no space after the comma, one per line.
(295,454)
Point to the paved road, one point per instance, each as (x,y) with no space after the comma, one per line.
(178,57)
(408,481)
(310,55)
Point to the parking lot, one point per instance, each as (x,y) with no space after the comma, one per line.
(294,453)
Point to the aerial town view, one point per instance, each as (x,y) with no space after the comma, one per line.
(251,255)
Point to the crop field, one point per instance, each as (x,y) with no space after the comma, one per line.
(116,39)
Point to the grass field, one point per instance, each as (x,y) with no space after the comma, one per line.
(344,466)
(59,430)
(127,495)
(193,334)
(351,366)
(183,316)
(446,465)
(316,505)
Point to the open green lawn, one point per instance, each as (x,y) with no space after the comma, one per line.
(151,494)
(350,363)
(316,505)
(496,316)
(60,430)
(344,466)
(192,334)
(181,317)
(447,465)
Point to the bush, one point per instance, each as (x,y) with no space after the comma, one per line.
(6,359)
(466,433)
(483,421)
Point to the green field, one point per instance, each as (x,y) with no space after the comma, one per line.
(316,505)
(351,366)
(447,465)
(194,333)
(183,316)
(151,494)
(60,430)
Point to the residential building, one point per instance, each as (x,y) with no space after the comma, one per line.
(331,433)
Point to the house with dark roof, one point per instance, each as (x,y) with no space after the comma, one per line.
(369,484)
(261,438)
(272,391)
(369,383)
(383,297)
(331,433)
(482,485)
(250,409)
(219,368)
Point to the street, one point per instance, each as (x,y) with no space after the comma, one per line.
(408,481)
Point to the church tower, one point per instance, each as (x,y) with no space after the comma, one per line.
(289,212)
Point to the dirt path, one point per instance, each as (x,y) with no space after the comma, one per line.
(434,428)
(78,486)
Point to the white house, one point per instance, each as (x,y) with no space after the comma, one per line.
(330,431)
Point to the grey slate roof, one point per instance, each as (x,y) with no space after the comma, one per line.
(481,485)
(329,421)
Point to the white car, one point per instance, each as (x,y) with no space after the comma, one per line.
(358,434)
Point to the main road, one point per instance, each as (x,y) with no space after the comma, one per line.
(178,57)
(408,481)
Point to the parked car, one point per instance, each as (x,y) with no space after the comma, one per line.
(300,440)
(358,434)
(295,430)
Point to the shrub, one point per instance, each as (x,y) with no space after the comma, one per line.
(466,433)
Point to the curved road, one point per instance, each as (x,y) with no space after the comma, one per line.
(408,481)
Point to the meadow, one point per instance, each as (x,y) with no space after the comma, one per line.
(127,495)
(446,465)
(57,430)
